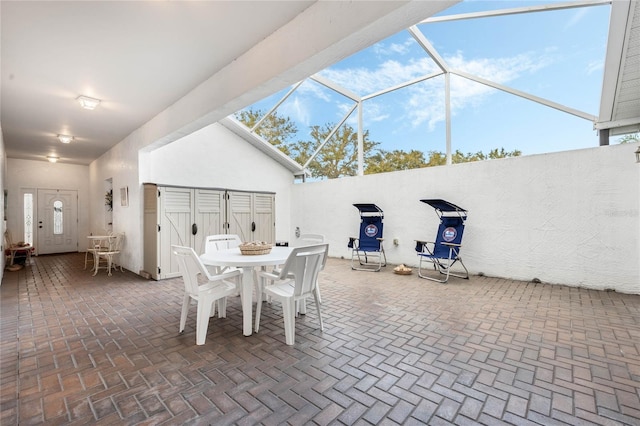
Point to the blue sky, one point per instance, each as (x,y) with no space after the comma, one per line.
(556,55)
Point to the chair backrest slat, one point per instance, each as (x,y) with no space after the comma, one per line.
(190,267)
(309,239)
(305,263)
(219,242)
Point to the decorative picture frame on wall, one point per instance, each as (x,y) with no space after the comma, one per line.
(124,196)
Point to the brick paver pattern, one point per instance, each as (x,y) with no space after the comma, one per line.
(77,349)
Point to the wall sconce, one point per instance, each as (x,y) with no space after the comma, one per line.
(638,154)
(52,158)
(87,102)
(65,138)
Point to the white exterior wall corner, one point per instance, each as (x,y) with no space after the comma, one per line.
(121,165)
(567,218)
(215,157)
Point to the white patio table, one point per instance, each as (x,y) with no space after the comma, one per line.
(233,257)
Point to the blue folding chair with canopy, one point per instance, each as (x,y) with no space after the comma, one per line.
(444,252)
(368,246)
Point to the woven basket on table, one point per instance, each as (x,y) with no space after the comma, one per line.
(254,249)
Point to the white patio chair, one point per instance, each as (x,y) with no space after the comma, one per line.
(96,245)
(295,283)
(215,289)
(213,243)
(110,258)
(309,239)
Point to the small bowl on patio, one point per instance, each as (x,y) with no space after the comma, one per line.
(402,270)
(255,248)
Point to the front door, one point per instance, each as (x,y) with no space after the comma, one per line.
(57,221)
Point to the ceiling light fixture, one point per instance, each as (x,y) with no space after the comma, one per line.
(52,158)
(65,138)
(87,102)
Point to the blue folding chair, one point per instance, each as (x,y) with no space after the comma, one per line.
(368,247)
(444,252)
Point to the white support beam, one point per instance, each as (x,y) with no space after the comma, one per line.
(516,11)
(447,103)
(335,87)
(401,85)
(360,141)
(431,51)
(525,95)
(284,98)
(619,123)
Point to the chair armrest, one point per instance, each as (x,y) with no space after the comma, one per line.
(352,241)
(451,244)
(421,246)
(223,276)
(269,275)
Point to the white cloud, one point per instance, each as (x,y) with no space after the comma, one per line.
(364,81)
(422,103)
(313,89)
(595,66)
(297,108)
(382,49)
(576,17)
(500,70)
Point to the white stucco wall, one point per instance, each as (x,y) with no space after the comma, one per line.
(565,218)
(120,164)
(214,157)
(45,175)
(211,157)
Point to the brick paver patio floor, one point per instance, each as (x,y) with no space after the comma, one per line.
(77,349)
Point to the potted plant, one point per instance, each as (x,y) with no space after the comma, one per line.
(108,199)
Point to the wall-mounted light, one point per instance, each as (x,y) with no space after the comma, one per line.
(52,158)
(638,154)
(88,103)
(65,138)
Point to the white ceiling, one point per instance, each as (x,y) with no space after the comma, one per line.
(137,57)
(141,57)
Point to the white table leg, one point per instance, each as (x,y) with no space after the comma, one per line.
(247,300)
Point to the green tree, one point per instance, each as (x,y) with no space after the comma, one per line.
(275,129)
(630,138)
(338,157)
(437,158)
(390,161)
(495,153)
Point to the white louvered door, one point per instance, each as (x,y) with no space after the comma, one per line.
(251,216)
(185,216)
(176,220)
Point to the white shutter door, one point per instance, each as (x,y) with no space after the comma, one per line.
(239,213)
(264,217)
(176,206)
(208,215)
